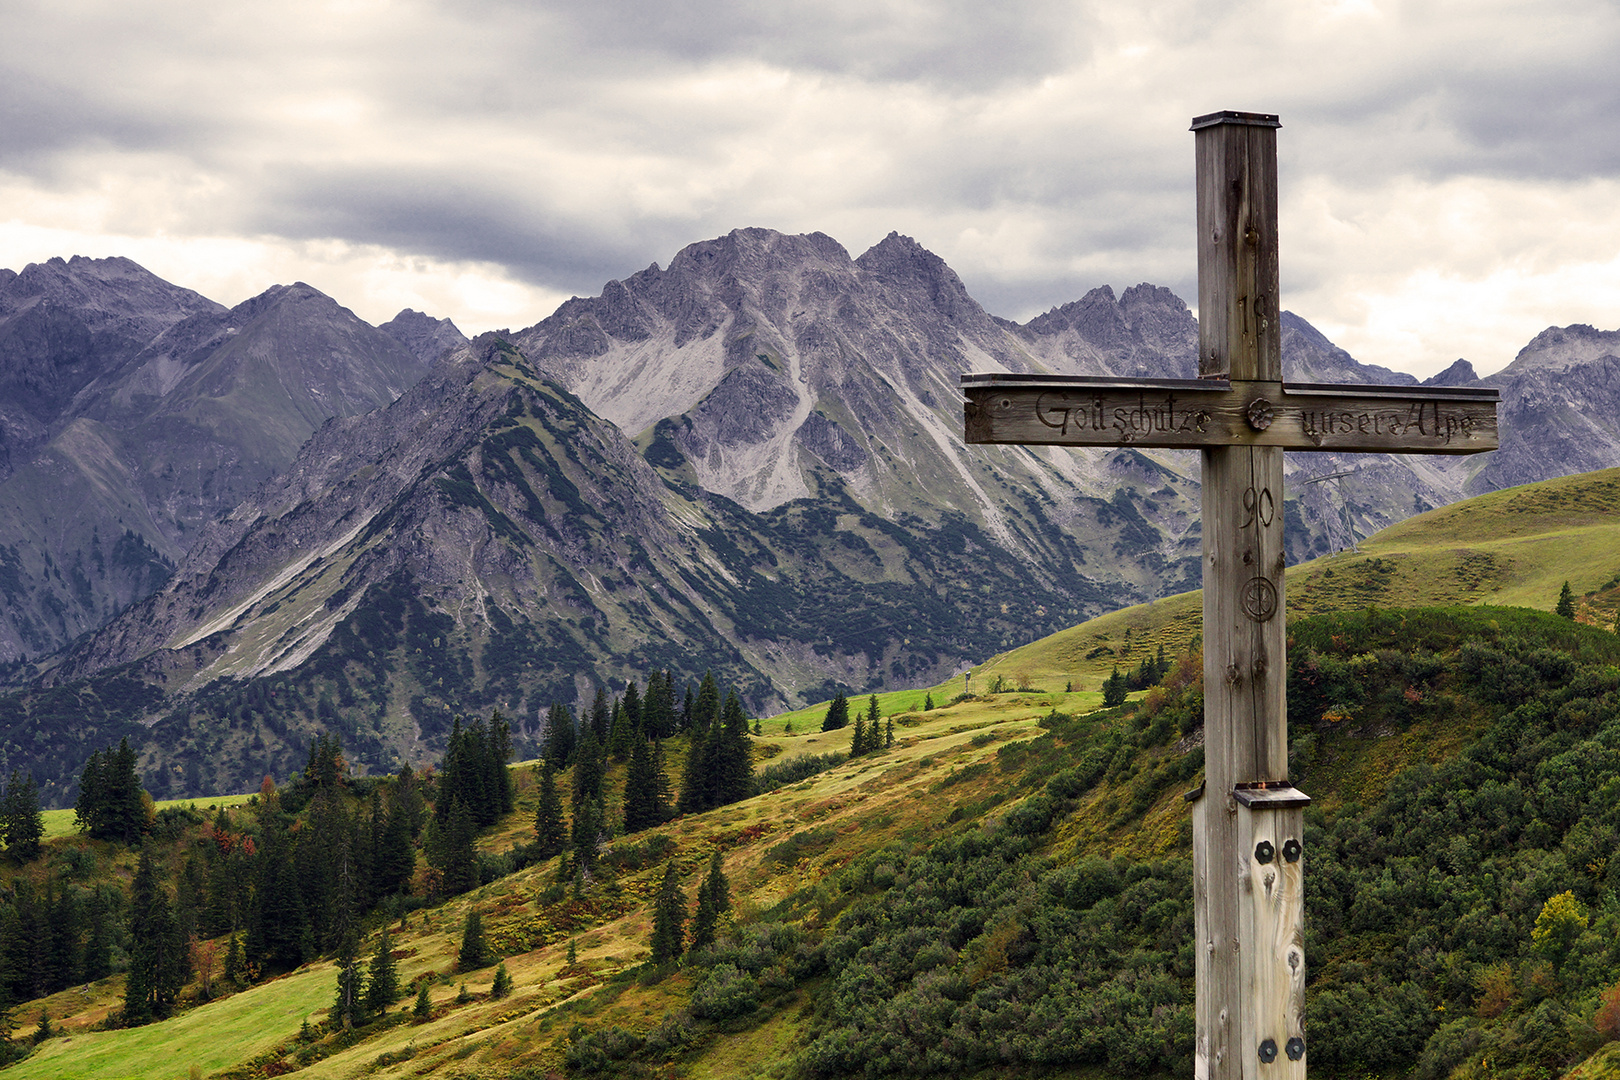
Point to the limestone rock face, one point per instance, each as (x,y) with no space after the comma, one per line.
(1560,411)
(135,412)
(428,338)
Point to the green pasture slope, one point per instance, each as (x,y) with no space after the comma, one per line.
(65,822)
(1025,847)
(1510,548)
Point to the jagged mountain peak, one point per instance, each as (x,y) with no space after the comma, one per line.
(153,410)
(429,338)
(1146,333)
(1460,373)
(66,325)
(902,262)
(114,288)
(755,251)
(1562,346)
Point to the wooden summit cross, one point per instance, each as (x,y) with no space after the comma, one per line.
(1248,853)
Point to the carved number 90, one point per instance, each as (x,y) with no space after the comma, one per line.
(1260,505)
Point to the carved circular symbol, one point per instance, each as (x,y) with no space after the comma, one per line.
(1259,599)
(1261,414)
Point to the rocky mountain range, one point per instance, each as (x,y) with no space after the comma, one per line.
(133,412)
(750,462)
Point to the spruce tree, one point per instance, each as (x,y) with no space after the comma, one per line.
(639,812)
(663,797)
(658,706)
(474,952)
(560,736)
(888,733)
(502,986)
(632,705)
(714,899)
(857,740)
(125,798)
(277,931)
(382,978)
(158,964)
(347,1006)
(393,861)
(423,1008)
(928,702)
(1566,603)
(669,918)
(1114,690)
(111,804)
(549,830)
(837,714)
(97,957)
(646,787)
(694,797)
(22,824)
(235,967)
(587,833)
(734,763)
(601,715)
(66,960)
(498,751)
(707,705)
(589,769)
(458,859)
(688,707)
(621,737)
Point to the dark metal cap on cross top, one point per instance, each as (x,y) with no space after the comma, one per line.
(1227,116)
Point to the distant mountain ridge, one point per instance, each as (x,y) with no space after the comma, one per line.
(136,412)
(750,461)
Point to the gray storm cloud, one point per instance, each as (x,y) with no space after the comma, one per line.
(1041,148)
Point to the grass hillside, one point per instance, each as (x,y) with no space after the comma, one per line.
(1006,890)
(1511,548)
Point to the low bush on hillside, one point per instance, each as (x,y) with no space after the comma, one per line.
(800,768)
(1468,918)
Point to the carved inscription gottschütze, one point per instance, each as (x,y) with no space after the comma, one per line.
(1149,416)
(1078,411)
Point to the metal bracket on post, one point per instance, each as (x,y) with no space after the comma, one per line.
(1271,829)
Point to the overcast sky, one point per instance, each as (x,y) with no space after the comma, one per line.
(1450,171)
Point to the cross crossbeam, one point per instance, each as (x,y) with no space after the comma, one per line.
(1078,410)
(1248,824)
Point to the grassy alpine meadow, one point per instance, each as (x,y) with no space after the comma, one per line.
(1006,889)
(64,822)
(211,1037)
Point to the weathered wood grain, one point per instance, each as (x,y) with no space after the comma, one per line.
(1245,737)
(1027,410)
(1271,921)
(1238,269)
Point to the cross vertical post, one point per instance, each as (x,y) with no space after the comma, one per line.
(1248,820)
(1240,1005)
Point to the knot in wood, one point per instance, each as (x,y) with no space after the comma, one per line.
(1259,665)
(1233,674)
